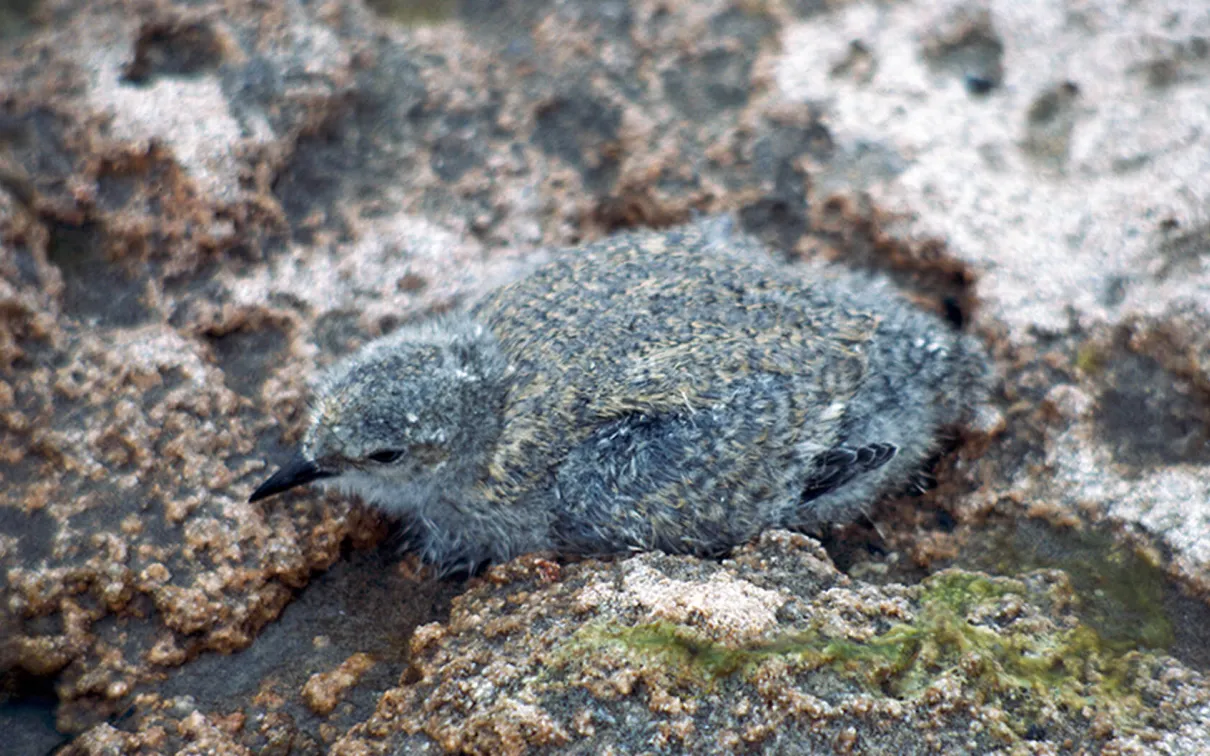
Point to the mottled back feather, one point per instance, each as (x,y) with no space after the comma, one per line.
(654,323)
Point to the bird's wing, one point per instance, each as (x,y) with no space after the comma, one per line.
(682,369)
(698,483)
(677,482)
(839,465)
(686,378)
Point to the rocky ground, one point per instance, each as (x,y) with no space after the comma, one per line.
(203,202)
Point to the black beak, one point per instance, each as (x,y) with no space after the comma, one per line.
(298,471)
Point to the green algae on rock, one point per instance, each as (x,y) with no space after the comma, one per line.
(1119,591)
(1032,671)
(961,662)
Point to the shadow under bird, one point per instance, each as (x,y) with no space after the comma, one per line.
(674,390)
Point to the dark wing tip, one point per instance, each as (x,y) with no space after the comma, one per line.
(836,467)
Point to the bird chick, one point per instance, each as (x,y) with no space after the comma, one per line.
(672,390)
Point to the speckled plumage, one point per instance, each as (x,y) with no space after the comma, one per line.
(671,390)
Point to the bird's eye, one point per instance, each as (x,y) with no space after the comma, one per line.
(386,456)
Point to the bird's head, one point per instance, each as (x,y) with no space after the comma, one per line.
(408,414)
